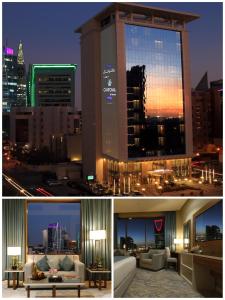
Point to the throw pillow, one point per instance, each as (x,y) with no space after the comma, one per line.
(53,262)
(42,264)
(66,264)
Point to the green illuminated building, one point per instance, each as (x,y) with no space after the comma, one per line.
(51,85)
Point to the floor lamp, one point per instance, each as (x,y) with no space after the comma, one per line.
(96,236)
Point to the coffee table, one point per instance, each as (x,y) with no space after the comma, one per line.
(101,277)
(45,284)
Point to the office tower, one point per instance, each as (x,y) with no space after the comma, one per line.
(54,127)
(21,73)
(136,111)
(216,88)
(51,85)
(9,79)
(207,108)
(45,239)
(54,237)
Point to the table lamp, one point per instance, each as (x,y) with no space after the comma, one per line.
(177,242)
(97,235)
(14,252)
(186,243)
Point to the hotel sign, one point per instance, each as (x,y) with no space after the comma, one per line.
(109,80)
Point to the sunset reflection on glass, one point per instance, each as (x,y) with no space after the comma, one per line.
(154,92)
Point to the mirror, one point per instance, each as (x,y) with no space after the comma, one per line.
(187,235)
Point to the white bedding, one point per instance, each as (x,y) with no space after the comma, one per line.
(122,268)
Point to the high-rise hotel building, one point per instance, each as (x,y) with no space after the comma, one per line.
(136,94)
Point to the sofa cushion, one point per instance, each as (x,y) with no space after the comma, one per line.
(42,264)
(66,264)
(53,261)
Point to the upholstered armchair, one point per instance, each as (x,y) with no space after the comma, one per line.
(153,260)
(54,260)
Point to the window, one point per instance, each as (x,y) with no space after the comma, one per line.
(53,227)
(137,234)
(209,224)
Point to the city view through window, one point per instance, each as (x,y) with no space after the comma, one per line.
(137,234)
(209,224)
(53,228)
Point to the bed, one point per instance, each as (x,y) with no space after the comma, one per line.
(124,271)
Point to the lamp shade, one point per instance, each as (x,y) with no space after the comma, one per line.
(177,241)
(186,241)
(97,234)
(14,251)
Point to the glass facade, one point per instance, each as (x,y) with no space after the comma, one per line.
(154,92)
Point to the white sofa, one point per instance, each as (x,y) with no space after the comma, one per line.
(79,267)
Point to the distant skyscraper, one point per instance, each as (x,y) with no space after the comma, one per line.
(21,73)
(51,85)
(54,237)
(45,238)
(9,79)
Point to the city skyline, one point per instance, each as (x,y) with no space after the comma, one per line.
(66,214)
(136,229)
(211,217)
(205,34)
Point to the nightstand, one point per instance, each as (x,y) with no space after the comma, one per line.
(15,278)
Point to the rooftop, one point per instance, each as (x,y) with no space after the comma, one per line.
(143,9)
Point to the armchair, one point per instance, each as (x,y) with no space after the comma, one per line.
(153,260)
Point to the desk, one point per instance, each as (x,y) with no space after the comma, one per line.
(203,272)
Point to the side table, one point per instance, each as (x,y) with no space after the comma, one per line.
(98,276)
(15,278)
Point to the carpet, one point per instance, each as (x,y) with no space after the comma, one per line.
(161,284)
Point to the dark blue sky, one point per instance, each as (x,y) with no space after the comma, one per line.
(136,229)
(47,32)
(212,216)
(40,215)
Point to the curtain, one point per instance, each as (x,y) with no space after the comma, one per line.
(13,229)
(115,231)
(170,229)
(96,215)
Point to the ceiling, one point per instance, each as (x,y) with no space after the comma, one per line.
(147,205)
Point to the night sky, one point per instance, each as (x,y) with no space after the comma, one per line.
(136,230)
(47,33)
(40,215)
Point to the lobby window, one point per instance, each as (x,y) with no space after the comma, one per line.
(53,227)
(140,234)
